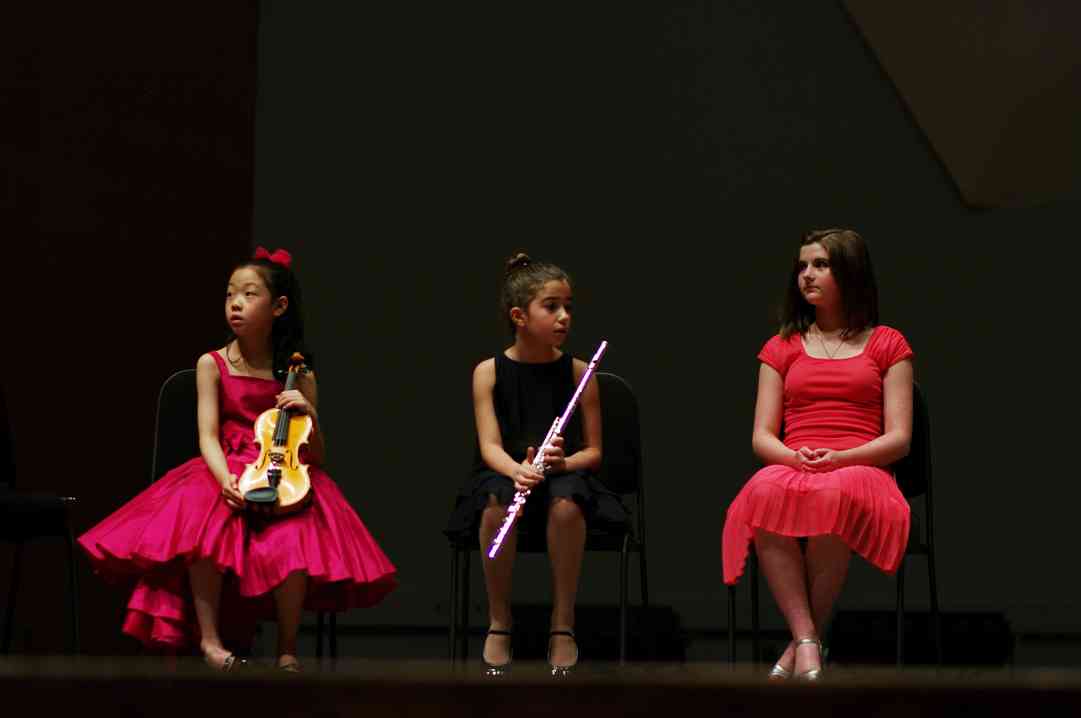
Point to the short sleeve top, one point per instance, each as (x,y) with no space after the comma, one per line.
(834,403)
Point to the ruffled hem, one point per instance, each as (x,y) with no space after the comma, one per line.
(182,518)
(601,507)
(859,504)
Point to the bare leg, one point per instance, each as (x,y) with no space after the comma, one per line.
(782,563)
(826,561)
(206,594)
(497,580)
(289,598)
(827,566)
(566,545)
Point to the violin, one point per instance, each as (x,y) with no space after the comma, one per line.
(276,481)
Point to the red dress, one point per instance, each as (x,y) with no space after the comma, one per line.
(834,404)
(183,517)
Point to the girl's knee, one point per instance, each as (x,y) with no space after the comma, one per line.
(564,510)
(493,513)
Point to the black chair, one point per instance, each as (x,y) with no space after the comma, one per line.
(27,516)
(914,475)
(621,472)
(176,440)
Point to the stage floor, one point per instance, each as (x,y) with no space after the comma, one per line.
(127,687)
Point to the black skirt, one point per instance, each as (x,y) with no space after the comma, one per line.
(602,508)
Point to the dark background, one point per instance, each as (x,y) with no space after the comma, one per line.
(668,155)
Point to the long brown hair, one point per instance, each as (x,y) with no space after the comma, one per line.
(850,265)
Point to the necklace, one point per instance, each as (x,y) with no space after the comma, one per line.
(239,359)
(825,347)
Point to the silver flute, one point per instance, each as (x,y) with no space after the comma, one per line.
(538,459)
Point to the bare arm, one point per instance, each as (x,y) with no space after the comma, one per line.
(207,382)
(768,413)
(488,434)
(589,404)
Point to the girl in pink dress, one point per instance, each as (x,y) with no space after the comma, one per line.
(195,553)
(834,411)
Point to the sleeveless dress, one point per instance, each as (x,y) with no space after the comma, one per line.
(182,518)
(835,404)
(528,398)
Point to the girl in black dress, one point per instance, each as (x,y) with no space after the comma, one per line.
(516,396)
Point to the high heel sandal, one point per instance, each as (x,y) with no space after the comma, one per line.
(779,672)
(232,664)
(815,674)
(562,671)
(290,667)
(494,670)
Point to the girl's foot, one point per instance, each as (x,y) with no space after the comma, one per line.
(562,651)
(782,669)
(289,663)
(497,651)
(808,659)
(222,660)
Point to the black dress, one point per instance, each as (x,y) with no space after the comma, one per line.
(527,399)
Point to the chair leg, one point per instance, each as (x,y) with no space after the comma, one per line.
(901,614)
(452,607)
(642,574)
(463,627)
(73,593)
(732,625)
(333,635)
(756,641)
(936,617)
(13,593)
(624,561)
(320,617)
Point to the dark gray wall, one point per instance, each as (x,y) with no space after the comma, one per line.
(669,157)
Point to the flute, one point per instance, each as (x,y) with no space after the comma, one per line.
(538,459)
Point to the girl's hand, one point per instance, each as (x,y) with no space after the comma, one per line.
(554,460)
(824,460)
(231,493)
(525,478)
(801,457)
(293,400)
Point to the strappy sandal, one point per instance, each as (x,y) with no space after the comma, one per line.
(232,664)
(494,670)
(779,672)
(815,674)
(562,671)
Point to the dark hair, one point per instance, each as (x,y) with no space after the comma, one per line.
(287,332)
(522,279)
(850,265)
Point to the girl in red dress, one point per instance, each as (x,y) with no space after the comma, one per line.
(193,551)
(834,411)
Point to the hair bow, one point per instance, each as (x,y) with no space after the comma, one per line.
(278,256)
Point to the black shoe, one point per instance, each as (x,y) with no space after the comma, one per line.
(562,671)
(491,669)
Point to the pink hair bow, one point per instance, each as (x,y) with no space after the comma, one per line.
(278,256)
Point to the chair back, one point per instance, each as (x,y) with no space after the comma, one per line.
(176,428)
(621,466)
(914,471)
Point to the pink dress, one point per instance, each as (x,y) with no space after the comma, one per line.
(182,518)
(835,404)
